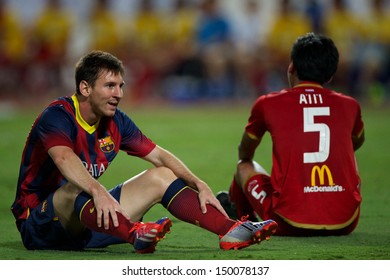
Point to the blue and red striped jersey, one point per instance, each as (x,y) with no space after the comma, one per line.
(61,124)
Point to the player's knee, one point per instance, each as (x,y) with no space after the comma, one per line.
(247,169)
(161,176)
(259,169)
(244,168)
(66,194)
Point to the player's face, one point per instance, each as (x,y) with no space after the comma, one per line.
(106,94)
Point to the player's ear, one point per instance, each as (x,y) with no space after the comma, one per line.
(291,68)
(331,78)
(291,74)
(84,88)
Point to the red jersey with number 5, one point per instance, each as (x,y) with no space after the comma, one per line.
(314,172)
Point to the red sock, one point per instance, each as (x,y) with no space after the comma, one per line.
(184,205)
(88,218)
(242,205)
(260,184)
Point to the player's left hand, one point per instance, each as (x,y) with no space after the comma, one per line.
(206,196)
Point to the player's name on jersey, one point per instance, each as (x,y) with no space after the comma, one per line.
(310,98)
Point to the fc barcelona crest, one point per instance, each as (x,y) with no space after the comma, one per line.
(106,144)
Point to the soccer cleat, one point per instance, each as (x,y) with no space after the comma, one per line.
(148,234)
(228,206)
(233,210)
(245,233)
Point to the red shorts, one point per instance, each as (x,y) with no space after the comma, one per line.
(260,194)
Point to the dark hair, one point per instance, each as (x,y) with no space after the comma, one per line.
(315,58)
(91,65)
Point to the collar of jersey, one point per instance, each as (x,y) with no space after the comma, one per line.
(88,128)
(308,84)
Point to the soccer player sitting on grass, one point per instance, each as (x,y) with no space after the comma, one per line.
(59,202)
(314,187)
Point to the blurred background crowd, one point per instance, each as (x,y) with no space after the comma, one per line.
(189,50)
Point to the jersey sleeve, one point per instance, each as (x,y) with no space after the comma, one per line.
(358,125)
(55,128)
(256,126)
(134,142)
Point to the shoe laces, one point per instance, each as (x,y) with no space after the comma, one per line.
(136,227)
(244,218)
(250,224)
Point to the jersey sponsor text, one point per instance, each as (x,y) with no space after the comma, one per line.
(96,170)
(320,172)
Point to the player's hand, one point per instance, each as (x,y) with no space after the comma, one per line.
(206,196)
(106,209)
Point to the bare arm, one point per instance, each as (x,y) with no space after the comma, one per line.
(358,141)
(74,171)
(161,157)
(247,147)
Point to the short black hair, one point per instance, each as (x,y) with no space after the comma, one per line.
(315,58)
(92,64)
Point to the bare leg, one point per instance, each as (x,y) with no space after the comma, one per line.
(143,191)
(63,201)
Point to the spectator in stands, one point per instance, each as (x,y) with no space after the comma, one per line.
(288,24)
(213,37)
(374,69)
(147,46)
(346,29)
(103,27)
(49,38)
(250,27)
(314,10)
(12,49)
(184,82)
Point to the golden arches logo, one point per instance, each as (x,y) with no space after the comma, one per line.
(321,175)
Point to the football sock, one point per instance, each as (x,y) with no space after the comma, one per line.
(262,203)
(183,203)
(85,209)
(241,203)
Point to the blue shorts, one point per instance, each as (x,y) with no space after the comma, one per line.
(42,230)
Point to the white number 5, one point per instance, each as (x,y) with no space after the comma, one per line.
(323,129)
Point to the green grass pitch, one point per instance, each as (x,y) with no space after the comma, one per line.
(206,139)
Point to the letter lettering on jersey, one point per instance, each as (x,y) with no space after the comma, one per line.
(317,99)
(302,99)
(92,170)
(308,99)
(102,169)
(95,169)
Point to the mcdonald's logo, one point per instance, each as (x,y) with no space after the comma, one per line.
(321,171)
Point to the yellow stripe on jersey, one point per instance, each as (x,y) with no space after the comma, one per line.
(308,85)
(88,128)
(360,133)
(252,136)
